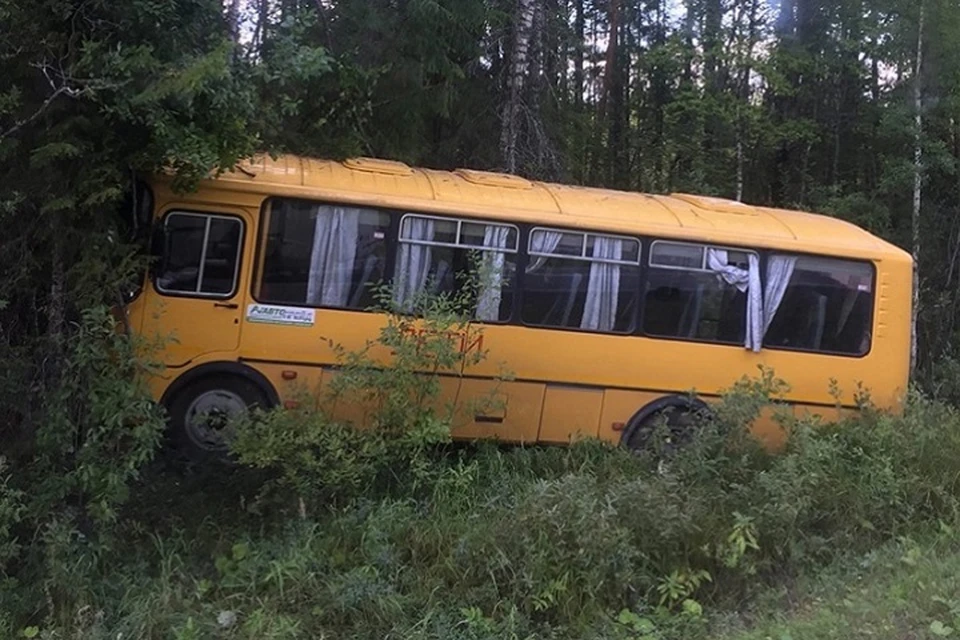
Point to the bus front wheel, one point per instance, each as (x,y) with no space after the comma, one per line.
(203,414)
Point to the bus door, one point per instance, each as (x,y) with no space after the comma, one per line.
(196,298)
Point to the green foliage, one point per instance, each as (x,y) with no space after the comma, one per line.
(93,93)
(11,513)
(308,100)
(418,541)
(60,509)
(398,378)
(586,541)
(101,424)
(315,457)
(558,538)
(944,383)
(422,69)
(426,336)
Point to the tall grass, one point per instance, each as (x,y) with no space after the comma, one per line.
(588,541)
(389,532)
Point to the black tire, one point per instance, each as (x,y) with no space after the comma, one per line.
(675,418)
(678,425)
(199,414)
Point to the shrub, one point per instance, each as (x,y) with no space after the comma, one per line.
(101,425)
(11,513)
(315,457)
(559,536)
(61,505)
(397,375)
(419,540)
(587,541)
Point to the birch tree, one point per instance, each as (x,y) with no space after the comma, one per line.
(518,70)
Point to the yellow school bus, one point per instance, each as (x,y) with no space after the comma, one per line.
(608,307)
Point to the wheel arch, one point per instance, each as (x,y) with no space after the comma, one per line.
(672,401)
(222,368)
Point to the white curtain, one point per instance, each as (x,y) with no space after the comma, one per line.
(332,256)
(413,262)
(491,273)
(747,280)
(779,271)
(603,286)
(542,242)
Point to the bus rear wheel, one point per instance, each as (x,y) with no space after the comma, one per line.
(675,420)
(203,414)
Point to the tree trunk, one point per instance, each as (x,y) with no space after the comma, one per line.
(56,311)
(538,72)
(519,65)
(743,89)
(873,159)
(712,18)
(786,19)
(917,189)
(955,239)
(785,107)
(688,22)
(233,21)
(739,154)
(578,56)
(613,100)
(610,57)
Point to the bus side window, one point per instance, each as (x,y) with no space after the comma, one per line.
(201,255)
(448,256)
(826,307)
(581,281)
(686,299)
(696,306)
(322,255)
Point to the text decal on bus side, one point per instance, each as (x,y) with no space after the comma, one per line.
(270,314)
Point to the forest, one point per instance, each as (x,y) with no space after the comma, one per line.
(849,108)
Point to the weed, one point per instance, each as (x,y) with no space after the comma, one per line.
(396,376)
(405,538)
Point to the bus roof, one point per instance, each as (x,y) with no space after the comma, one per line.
(393,184)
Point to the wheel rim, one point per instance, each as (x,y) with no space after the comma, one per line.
(209,419)
(678,423)
(679,430)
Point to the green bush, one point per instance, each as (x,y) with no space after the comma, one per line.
(60,507)
(11,513)
(557,537)
(323,460)
(100,424)
(585,541)
(418,540)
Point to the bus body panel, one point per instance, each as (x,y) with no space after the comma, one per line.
(565,383)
